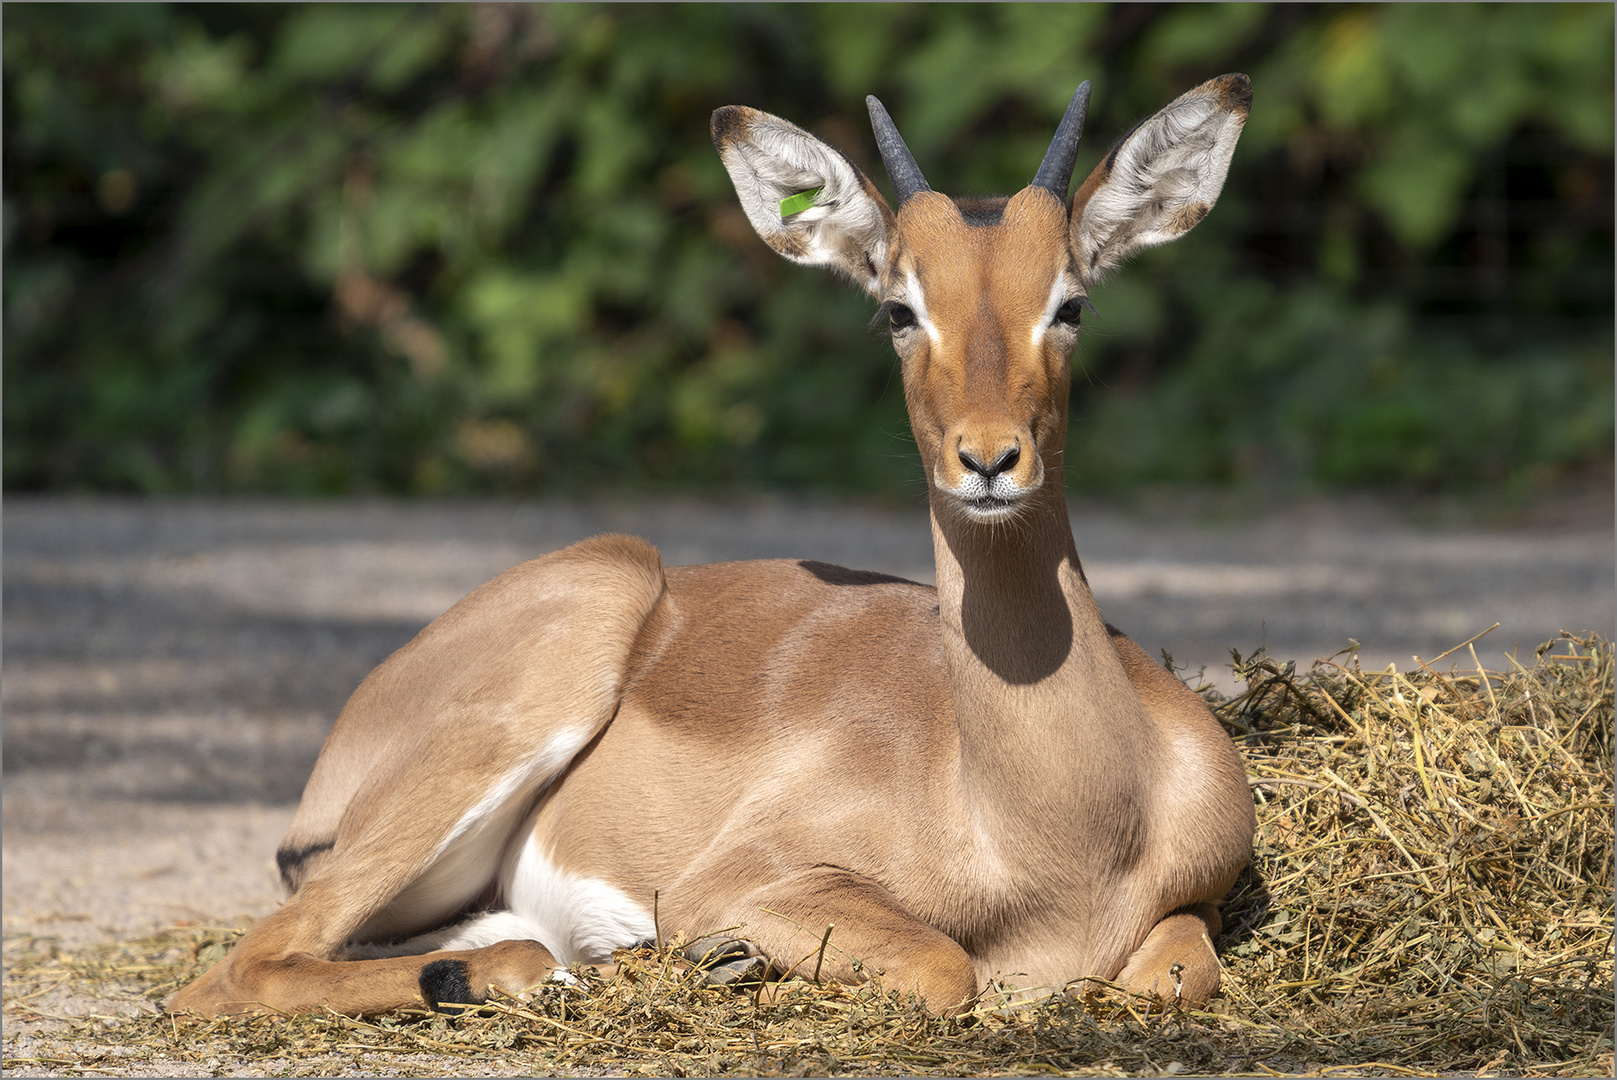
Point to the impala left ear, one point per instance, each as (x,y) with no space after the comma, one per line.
(804,198)
(1161,178)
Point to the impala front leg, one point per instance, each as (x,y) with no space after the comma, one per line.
(1176,962)
(871,936)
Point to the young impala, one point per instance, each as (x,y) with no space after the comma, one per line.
(979,781)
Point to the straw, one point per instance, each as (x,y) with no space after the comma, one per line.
(1431,893)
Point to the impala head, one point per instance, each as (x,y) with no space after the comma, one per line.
(984,296)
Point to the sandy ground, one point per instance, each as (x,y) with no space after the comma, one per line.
(171,667)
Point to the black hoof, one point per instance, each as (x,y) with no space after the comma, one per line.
(719,950)
(746,971)
(729,961)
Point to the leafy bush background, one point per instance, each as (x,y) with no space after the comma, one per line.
(366,248)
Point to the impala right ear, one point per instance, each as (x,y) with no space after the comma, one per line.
(777,168)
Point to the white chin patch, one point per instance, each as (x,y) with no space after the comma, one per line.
(984,506)
(986,500)
(989,512)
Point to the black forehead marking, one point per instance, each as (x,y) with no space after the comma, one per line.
(982,212)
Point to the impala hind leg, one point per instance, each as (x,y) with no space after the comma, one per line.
(429,773)
(1176,962)
(300,982)
(287,962)
(399,864)
(871,935)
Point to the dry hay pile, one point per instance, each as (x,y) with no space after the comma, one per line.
(1431,892)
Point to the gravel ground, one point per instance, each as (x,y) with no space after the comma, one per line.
(171,667)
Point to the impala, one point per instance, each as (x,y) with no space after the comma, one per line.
(982,781)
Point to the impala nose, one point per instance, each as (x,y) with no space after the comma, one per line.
(1006,460)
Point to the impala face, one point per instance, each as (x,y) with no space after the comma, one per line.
(983,296)
(984,316)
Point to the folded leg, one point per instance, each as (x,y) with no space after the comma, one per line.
(1176,962)
(872,936)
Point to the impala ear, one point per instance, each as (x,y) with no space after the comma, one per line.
(1161,178)
(804,198)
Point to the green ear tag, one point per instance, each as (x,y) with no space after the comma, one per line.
(798,203)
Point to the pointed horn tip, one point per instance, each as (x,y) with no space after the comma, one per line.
(1055,171)
(1080,98)
(902,170)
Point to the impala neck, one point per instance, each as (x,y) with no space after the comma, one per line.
(1038,690)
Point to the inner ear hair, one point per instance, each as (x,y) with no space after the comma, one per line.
(845,227)
(1161,178)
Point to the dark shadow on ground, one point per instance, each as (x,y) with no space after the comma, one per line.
(183,697)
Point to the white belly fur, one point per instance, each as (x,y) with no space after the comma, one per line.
(579,919)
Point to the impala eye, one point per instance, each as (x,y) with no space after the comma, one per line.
(898,316)
(1071,311)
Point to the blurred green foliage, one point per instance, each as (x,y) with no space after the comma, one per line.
(469,248)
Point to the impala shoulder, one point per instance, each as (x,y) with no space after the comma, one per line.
(1181,715)
(1156,685)
(1204,783)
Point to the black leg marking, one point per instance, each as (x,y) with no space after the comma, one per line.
(290,861)
(446,985)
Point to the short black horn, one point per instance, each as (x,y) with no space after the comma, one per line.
(1055,172)
(901,168)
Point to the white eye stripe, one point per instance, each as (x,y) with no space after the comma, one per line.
(1058,296)
(917,304)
